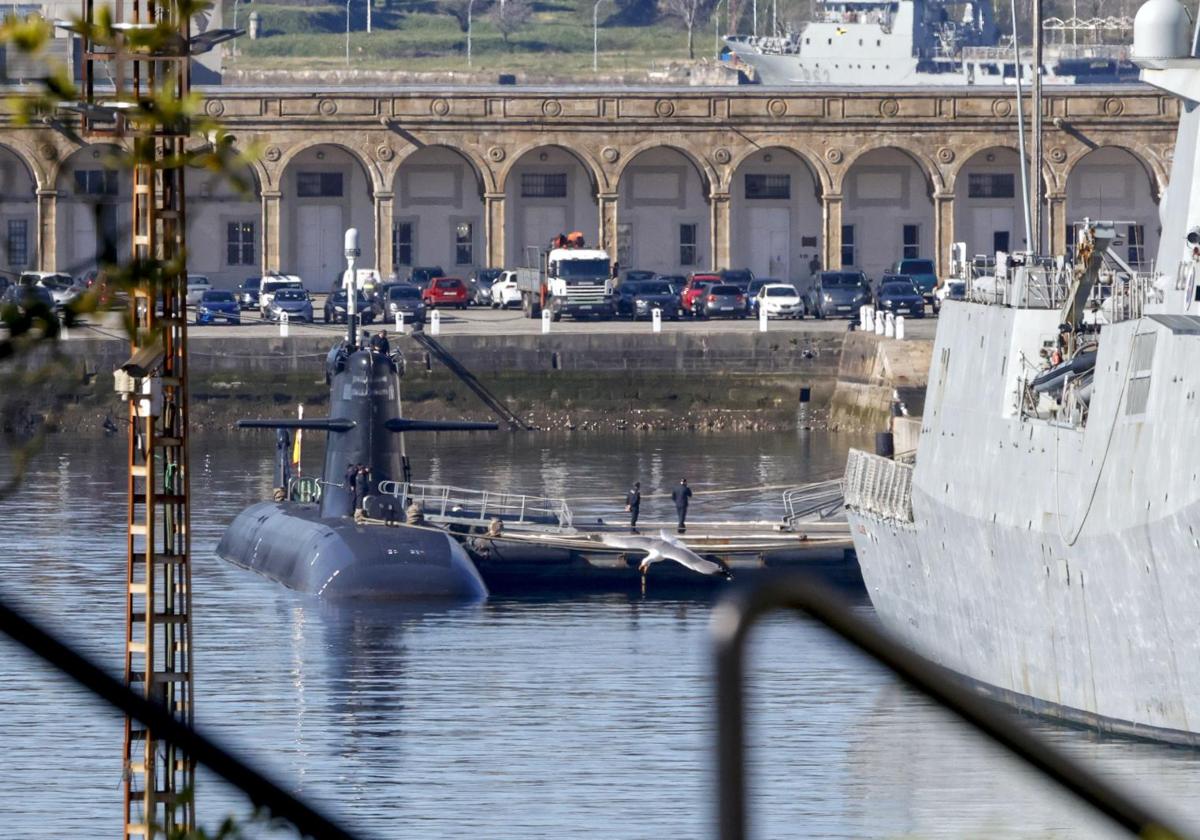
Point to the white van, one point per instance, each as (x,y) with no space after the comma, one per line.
(272,283)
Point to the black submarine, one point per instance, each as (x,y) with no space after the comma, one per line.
(312,543)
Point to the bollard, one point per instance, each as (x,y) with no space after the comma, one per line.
(878,323)
(545,322)
(889,325)
(899,327)
(656,320)
(435,323)
(283,325)
(399,322)
(762,319)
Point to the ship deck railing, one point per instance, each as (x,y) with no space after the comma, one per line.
(818,501)
(878,486)
(1121,293)
(447,503)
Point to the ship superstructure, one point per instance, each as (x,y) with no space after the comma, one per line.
(903,43)
(1046,543)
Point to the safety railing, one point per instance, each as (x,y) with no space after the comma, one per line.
(449,502)
(878,486)
(821,500)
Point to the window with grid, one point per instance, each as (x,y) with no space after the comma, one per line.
(847,245)
(17,243)
(1135,239)
(319,184)
(912,242)
(239,243)
(543,185)
(768,186)
(688,252)
(990,185)
(95,182)
(464,244)
(402,244)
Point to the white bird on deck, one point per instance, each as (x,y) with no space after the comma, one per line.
(666,547)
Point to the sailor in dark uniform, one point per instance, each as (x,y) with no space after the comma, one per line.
(633,503)
(380,344)
(680,495)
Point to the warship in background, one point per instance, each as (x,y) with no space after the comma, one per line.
(910,43)
(1046,543)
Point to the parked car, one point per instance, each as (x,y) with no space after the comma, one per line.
(677,281)
(61,287)
(197,285)
(505,291)
(295,302)
(217,304)
(88,278)
(740,277)
(951,290)
(422,274)
(636,275)
(247,293)
(838,293)
(725,299)
(445,291)
(641,298)
(923,276)
(405,299)
(480,285)
(335,308)
(25,297)
(899,295)
(697,284)
(753,289)
(779,300)
(272,283)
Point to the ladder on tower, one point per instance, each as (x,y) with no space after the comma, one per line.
(158,777)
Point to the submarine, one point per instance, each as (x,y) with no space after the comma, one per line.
(308,538)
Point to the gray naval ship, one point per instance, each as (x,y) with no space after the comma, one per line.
(906,43)
(1046,544)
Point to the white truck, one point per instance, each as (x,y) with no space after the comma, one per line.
(568,281)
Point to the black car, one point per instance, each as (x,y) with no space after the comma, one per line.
(25,297)
(725,299)
(636,275)
(740,277)
(838,294)
(898,294)
(335,308)
(404,299)
(479,287)
(641,298)
(247,293)
(422,274)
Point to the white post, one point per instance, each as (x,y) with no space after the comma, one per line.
(400,322)
(899,327)
(435,323)
(864,316)
(283,325)
(347,33)
(545,321)
(595,34)
(889,325)
(762,318)
(656,320)
(350,284)
(878,323)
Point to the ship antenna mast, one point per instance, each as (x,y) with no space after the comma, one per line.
(1021,131)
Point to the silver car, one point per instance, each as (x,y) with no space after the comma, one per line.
(295,302)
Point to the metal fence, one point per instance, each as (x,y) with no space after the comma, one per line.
(821,500)
(878,486)
(446,501)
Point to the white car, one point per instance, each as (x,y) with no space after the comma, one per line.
(780,300)
(61,287)
(197,285)
(505,292)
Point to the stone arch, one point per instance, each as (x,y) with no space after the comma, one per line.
(92,212)
(989,211)
(325,188)
(437,211)
(591,166)
(933,176)
(663,217)
(484,173)
(18,211)
(887,208)
(224,235)
(775,214)
(816,167)
(1114,182)
(374,175)
(1156,175)
(549,189)
(708,175)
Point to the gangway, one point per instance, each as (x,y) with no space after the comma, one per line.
(449,505)
(821,500)
(456,367)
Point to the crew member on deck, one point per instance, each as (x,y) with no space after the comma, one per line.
(681,494)
(633,504)
(380,344)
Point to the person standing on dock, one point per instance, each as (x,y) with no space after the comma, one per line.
(633,504)
(681,494)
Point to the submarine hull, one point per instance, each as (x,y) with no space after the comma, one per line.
(334,558)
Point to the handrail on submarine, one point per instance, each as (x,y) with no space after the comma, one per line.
(460,370)
(737,613)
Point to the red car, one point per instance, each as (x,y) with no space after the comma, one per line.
(697,286)
(445,291)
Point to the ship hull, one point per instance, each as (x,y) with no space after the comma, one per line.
(1054,564)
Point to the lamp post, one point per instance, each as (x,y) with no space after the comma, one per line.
(470,6)
(595,33)
(347,33)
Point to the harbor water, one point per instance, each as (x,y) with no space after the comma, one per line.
(520,717)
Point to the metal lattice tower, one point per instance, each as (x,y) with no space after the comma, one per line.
(120,81)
